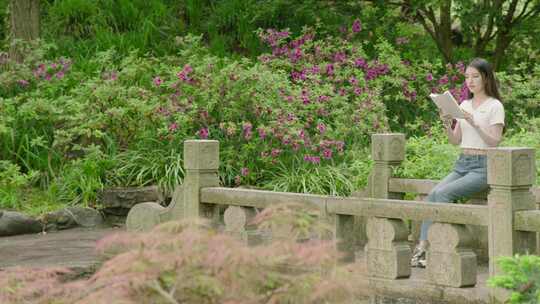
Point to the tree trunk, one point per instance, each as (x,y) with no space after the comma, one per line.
(24,24)
(445,35)
(503,41)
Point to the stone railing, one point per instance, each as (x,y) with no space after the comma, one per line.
(378,217)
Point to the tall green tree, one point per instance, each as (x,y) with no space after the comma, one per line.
(488,27)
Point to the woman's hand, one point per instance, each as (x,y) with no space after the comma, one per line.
(454,134)
(446,119)
(470,119)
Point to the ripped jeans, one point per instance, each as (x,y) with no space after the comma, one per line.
(468,177)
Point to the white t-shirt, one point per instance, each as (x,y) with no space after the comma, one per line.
(489,113)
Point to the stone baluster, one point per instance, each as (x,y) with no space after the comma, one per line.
(388,253)
(450,260)
(201,162)
(237,222)
(511,172)
(387,151)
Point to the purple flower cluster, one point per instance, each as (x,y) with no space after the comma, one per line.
(247,130)
(321,127)
(203,133)
(244,171)
(56,70)
(375,71)
(273,37)
(157,81)
(173,127)
(408,92)
(262,133)
(312,159)
(357,26)
(184,74)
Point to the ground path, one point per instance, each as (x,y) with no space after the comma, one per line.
(73,248)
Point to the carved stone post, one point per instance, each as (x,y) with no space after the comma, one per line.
(237,222)
(388,253)
(511,172)
(450,260)
(387,150)
(201,162)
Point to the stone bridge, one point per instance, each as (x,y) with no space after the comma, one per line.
(372,227)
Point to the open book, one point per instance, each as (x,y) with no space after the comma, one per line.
(447,104)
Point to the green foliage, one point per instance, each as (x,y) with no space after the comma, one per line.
(229,26)
(297,119)
(150,161)
(521,276)
(81,179)
(232,25)
(3,19)
(527,136)
(429,156)
(296,177)
(12,184)
(86,27)
(521,91)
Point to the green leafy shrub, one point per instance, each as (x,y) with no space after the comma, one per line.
(521,92)
(12,184)
(521,277)
(527,136)
(429,156)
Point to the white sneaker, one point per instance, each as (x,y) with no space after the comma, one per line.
(418,258)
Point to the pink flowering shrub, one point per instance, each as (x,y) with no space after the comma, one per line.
(189,263)
(299,118)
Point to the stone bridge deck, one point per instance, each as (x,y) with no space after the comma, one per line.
(74,248)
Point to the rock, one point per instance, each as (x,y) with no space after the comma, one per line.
(13,223)
(72,217)
(118,201)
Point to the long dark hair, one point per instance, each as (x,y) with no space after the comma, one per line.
(488,77)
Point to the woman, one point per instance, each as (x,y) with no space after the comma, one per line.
(482,128)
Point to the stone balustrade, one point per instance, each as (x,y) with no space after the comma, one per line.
(380,215)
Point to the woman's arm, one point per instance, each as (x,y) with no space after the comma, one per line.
(492,135)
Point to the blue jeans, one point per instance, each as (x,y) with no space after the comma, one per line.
(468,177)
